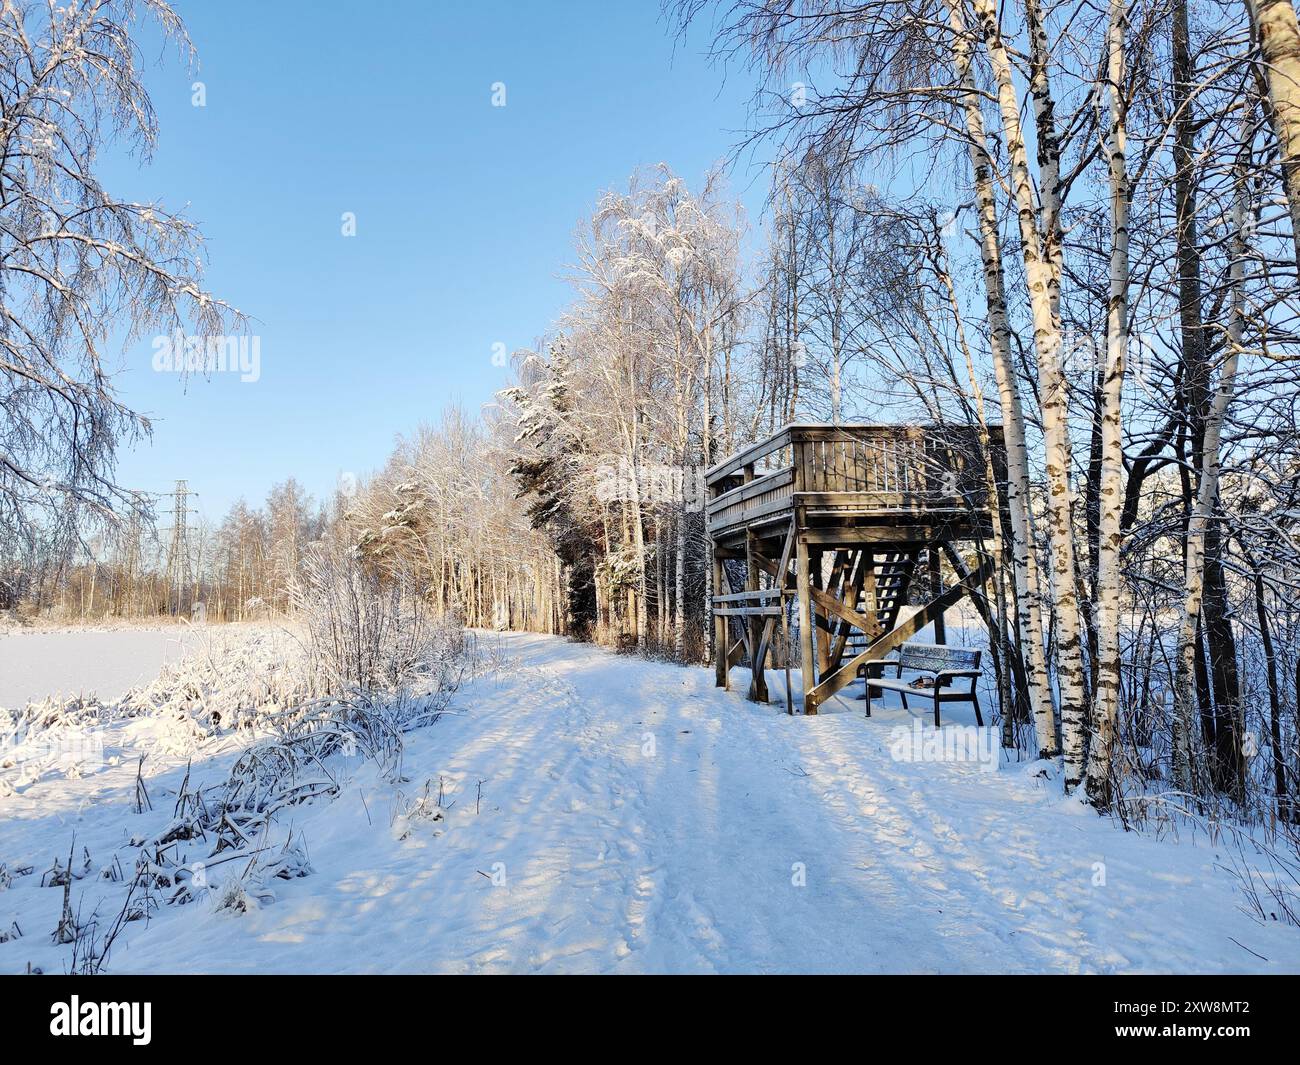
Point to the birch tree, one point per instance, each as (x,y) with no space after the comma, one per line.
(1109,584)
(1207,494)
(1275,28)
(79,265)
(1024,559)
(1037,244)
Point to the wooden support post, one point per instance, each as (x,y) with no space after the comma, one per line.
(869,601)
(719,626)
(756,626)
(780,580)
(786,651)
(936,590)
(821,627)
(807,622)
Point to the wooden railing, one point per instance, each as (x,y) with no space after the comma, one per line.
(855,469)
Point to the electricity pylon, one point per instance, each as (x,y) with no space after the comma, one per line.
(179,573)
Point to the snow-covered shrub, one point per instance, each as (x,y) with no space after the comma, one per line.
(290,768)
(53,730)
(368,631)
(230,680)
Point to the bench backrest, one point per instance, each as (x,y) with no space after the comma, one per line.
(933,657)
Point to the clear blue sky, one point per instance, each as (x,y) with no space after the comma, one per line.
(465,212)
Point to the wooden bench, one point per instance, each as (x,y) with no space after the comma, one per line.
(942,664)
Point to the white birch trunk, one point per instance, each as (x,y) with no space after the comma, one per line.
(1112,443)
(1052,390)
(1024,562)
(1276,29)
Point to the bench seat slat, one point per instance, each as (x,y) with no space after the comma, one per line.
(904,686)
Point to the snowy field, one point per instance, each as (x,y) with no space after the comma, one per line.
(605,814)
(103,662)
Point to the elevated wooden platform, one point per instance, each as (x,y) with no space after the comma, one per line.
(879,500)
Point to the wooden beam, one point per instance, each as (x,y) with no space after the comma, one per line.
(737,597)
(719,629)
(747,611)
(807,619)
(867,534)
(755,641)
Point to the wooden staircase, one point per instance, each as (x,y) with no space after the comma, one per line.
(891,578)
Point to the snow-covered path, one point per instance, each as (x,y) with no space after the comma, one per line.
(633,818)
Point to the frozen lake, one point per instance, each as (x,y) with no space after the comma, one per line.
(105,663)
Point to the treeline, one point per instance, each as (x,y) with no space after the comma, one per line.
(575,503)
(444,517)
(242,568)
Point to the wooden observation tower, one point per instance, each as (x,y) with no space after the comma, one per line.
(840,518)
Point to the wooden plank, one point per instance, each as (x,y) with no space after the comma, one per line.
(735,597)
(919,501)
(867,534)
(733,465)
(767,483)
